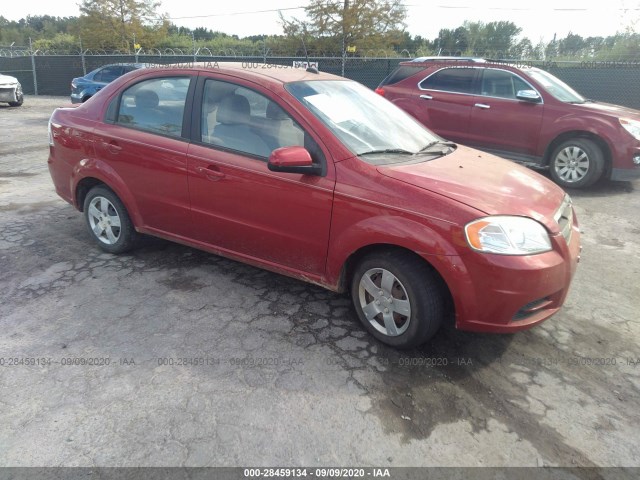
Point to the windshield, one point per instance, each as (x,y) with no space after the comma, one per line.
(556,87)
(363,120)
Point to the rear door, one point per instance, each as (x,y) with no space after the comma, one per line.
(444,99)
(145,142)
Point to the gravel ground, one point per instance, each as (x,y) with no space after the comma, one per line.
(284,374)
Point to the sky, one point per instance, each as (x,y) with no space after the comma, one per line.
(539,19)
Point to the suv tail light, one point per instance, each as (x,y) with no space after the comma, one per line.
(380,91)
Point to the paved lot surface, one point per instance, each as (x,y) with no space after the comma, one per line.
(285,374)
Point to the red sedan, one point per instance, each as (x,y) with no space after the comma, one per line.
(317,177)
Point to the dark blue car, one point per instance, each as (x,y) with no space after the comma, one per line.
(83,88)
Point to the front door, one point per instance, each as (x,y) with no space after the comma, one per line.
(501,122)
(238,204)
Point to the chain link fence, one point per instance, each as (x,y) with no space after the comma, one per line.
(48,73)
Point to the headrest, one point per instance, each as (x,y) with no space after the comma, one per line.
(147,99)
(274,112)
(234,109)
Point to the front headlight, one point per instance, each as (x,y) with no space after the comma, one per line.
(631,126)
(507,235)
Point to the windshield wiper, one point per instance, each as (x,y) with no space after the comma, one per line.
(431,147)
(387,150)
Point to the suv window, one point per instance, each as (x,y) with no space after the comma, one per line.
(156,105)
(455,79)
(241,119)
(108,74)
(500,83)
(400,73)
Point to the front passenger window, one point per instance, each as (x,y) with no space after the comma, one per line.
(501,84)
(241,119)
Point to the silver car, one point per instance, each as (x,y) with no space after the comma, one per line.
(10,91)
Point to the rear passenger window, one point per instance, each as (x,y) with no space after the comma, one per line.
(456,79)
(155,105)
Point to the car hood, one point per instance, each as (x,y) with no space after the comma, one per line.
(4,79)
(485,182)
(614,110)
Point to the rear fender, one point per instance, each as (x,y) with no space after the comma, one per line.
(102,171)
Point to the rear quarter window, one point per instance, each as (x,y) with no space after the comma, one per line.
(401,73)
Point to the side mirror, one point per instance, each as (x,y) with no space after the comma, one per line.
(293,159)
(528,96)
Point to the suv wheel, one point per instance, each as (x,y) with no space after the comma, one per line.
(108,221)
(576,163)
(399,300)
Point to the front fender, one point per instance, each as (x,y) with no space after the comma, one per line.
(435,241)
(102,171)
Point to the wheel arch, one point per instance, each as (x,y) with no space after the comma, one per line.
(93,179)
(351,262)
(597,139)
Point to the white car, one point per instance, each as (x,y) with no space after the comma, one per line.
(10,90)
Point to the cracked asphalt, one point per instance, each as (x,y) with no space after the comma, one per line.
(170,356)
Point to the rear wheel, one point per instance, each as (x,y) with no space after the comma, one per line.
(398,298)
(577,163)
(108,221)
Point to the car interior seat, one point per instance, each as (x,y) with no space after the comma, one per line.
(233,130)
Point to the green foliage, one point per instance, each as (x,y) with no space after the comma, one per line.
(118,24)
(364,24)
(374,27)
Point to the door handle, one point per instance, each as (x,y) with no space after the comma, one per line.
(211,172)
(482,105)
(426,97)
(113,147)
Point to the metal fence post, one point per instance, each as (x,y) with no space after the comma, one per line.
(33,67)
(84,66)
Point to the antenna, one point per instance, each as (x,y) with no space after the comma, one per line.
(309,69)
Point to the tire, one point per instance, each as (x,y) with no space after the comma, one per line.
(108,222)
(20,101)
(415,301)
(577,163)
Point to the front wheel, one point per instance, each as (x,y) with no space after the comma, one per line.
(108,221)
(19,101)
(577,163)
(398,298)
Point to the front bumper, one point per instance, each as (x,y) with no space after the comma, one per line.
(9,94)
(505,294)
(625,174)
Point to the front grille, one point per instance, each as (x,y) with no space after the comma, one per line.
(564,218)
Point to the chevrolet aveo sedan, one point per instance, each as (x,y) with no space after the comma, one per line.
(316,177)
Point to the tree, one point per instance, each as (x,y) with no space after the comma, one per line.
(113,24)
(364,24)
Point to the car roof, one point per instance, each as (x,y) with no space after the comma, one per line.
(428,60)
(484,62)
(277,73)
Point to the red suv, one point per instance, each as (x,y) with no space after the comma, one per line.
(524,114)
(317,177)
